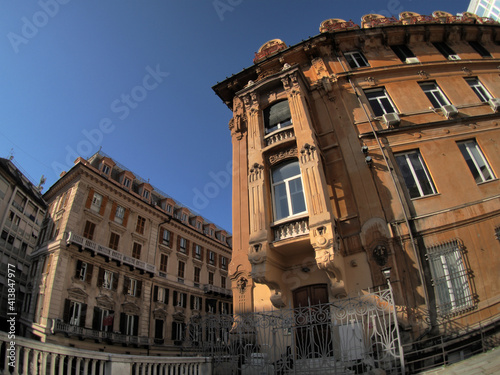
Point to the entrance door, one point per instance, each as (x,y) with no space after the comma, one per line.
(313,337)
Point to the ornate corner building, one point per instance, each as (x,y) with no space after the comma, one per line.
(121,267)
(369,147)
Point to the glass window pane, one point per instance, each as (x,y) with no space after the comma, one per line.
(280,201)
(421,174)
(285,171)
(297,196)
(410,182)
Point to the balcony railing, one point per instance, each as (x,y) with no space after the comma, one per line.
(291,229)
(279,135)
(209,288)
(85,243)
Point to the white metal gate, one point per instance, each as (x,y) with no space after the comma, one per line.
(348,336)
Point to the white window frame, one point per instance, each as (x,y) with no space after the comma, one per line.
(166,237)
(96,202)
(119,214)
(161,295)
(132,287)
(183,245)
(450,277)
(357,58)
(196,303)
(129,328)
(83,271)
(418,182)
(481,167)
(381,98)
(286,182)
(435,93)
(223,263)
(211,257)
(126,182)
(197,251)
(104,314)
(482,93)
(107,279)
(105,169)
(75,313)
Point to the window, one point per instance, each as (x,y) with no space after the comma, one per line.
(159,330)
(223,282)
(83,271)
(182,245)
(126,182)
(211,278)
(132,287)
(434,94)
(114,239)
(476,161)
(479,89)
(196,302)
(277,116)
(180,299)
(355,59)
(103,319)
(19,201)
(88,232)
(479,48)
(75,313)
(129,324)
(136,250)
(287,191)
(145,194)
(404,53)
(119,214)
(380,102)
(141,222)
(211,257)
(415,174)
(223,263)
(450,277)
(96,202)
(163,262)
(197,272)
(160,294)
(180,269)
(197,251)
(178,330)
(107,279)
(165,237)
(105,169)
(446,51)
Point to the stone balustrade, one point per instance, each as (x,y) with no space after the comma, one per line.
(279,135)
(29,357)
(291,229)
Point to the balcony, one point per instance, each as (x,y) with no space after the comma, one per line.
(283,134)
(85,243)
(86,333)
(212,289)
(291,229)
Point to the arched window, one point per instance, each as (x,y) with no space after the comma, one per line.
(277,116)
(287,190)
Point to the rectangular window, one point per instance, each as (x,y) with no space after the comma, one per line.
(136,250)
(476,161)
(434,94)
(277,116)
(178,330)
(182,245)
(197,272)
(114,239)
(126,182)
(119,214)
(19,201)
(197,251)
(479,48)
(105,169)
(161,294)
(83,271)
(75,313)
(145,194)
(180,299)
(166,237)
(450,277)
(130,324)
(404,53)
(103,319)
(380,101)
(211,257)
(96,202)
(88,232)
(141,222)
(132,287)
(223,282)
(356,59)
(211,278)
(415,174)
(107,280)
(196,303)
(163,262)
(446,50)
(479,89)
(180,270)
(223,263)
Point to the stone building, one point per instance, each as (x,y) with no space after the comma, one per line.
(367,147)
(22,210)
(121,267)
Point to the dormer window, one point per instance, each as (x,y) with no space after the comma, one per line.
(145,194)
(126,182)
(277,116)
(106,169)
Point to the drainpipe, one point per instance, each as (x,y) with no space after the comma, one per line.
(398,193)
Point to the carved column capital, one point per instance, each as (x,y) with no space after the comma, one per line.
(308,153)
(237,126)
(255,172)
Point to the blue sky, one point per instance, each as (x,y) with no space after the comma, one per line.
(135,77)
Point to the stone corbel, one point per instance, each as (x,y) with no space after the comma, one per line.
(255,172)
(237,126)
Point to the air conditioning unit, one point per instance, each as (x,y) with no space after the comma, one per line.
(449,110)
(391,119)
(412,60)
(494,104)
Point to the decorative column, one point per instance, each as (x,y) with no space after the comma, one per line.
(322,230)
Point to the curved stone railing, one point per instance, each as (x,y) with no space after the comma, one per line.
(291,229)
(29,357)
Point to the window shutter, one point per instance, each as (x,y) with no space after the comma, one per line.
(201,253)
(100,276)
(67,302)
(184,301)
(187,247)
(83,314)
(175,298)
(123,323)
(103,205)
(167,292)
(136,325)
(78,268)
(178,243)
(88,276)
(201,304)
(89,198)
(191,303)
(139,289)
(96,319)
(215,259)
(126,284)
(171,243)
(155,293)
(125,217)
(114,282)
(162,230)
(113,211)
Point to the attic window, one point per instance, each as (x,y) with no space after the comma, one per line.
(106,169)
(126,182)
